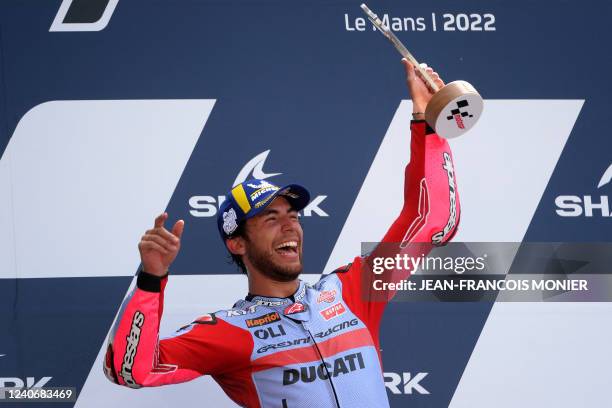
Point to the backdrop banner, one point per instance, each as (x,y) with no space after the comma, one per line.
(113,111)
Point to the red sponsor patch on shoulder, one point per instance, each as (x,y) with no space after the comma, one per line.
(333,311)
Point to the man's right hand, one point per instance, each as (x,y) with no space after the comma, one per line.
(158,247)
(417,87)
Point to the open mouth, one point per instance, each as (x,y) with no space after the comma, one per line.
(287,248)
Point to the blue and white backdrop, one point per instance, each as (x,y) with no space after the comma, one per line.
(112,111)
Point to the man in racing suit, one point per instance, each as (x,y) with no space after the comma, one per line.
(287,344)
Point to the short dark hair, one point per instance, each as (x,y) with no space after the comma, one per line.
(237,259)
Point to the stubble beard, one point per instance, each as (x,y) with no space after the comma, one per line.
(263,262)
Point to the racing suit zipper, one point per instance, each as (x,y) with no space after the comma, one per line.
(329,377)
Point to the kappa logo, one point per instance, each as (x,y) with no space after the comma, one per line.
(333,311)
(82,15)
(586,205)
(208,205)
(327,296)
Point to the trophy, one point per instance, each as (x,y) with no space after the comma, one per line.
(455,108)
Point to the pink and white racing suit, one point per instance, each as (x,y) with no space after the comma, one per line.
(318,347)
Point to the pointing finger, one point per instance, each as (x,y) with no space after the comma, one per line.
(159,221)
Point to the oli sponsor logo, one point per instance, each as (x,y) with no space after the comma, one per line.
(263,320)
(270,332)
(586,205)
(324,371)
(327,296)
(208,205)
(130,351)
(333,311)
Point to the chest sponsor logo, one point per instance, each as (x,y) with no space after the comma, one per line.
(324,371)
(306,340)
(270,332)
(130,350)
(263,320)
(295,308)
(333,311)
(327,296)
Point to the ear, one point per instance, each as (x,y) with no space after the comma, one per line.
(236,245)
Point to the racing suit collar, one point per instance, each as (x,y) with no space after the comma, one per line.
(275,301)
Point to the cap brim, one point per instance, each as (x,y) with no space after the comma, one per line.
(297,196)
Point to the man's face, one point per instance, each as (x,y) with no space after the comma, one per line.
(273,241)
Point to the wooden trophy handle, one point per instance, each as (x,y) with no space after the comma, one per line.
(401,48)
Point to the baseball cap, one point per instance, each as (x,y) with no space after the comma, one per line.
(251,197)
